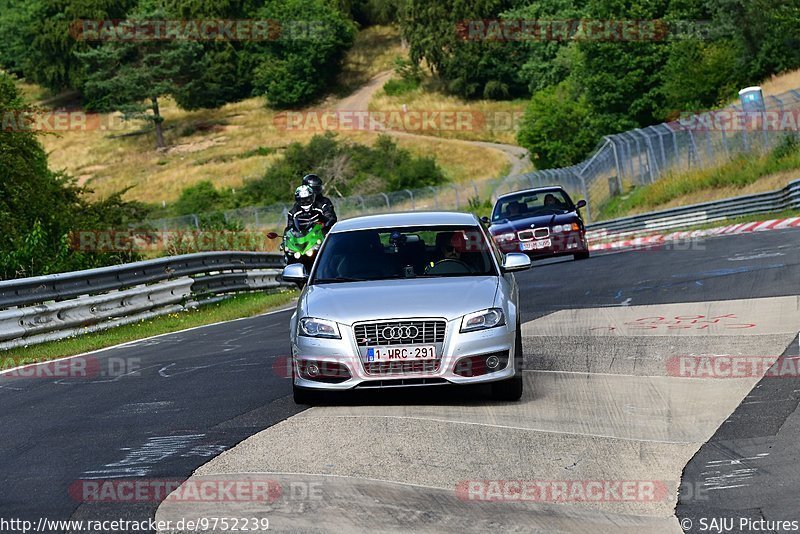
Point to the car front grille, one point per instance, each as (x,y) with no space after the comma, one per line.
(536,233)
(399,333)
(401,368)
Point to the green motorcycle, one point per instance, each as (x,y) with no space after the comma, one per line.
(302,246)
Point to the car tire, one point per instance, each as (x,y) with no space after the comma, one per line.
(581,255)
(305,396)
(510,390)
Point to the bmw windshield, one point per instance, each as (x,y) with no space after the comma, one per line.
(527,205)
(407,252)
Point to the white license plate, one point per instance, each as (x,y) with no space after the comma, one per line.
(399,353)
(536,245)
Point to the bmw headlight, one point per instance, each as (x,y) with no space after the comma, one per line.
(313,327)
(505,237)
(483,319)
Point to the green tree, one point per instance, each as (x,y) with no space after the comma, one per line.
(557,127)
(15,19)
(40,209)
(438,32)
(131,76)
(303,61)
(52,35)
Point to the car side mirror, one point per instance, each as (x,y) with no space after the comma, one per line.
(580,204)
(295,272)
(485,219)
(516,261)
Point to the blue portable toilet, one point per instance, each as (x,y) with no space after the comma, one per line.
(752,99)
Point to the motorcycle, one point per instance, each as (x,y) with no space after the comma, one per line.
(302,242)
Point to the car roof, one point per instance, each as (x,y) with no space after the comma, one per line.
(532,190)
(415,218)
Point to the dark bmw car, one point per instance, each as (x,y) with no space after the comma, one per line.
(541,222)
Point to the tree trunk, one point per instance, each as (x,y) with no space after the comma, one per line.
(157,120)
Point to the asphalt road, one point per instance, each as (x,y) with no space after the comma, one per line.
(186,397)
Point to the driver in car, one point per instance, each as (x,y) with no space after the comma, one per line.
(551,201)
(449,247)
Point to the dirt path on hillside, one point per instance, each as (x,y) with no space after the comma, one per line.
(518,157)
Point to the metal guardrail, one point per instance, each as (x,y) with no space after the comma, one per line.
(52,307)
(705,212)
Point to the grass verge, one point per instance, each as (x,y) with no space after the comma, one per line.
(238,306)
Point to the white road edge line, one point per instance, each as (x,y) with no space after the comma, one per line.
(112,347)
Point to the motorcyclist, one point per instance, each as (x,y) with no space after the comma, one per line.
(304,213)
(322,202)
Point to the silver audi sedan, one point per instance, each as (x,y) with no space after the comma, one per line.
(409,299)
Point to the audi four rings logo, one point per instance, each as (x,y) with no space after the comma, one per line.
(400,332)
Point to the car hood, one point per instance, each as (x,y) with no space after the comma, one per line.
(539,221)
(351,302)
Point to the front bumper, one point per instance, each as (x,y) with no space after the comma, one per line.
(345,352)
(561,244)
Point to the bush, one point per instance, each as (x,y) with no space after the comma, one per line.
(40,209)
(556,127)
(201,197)
(346,168)
(399,87)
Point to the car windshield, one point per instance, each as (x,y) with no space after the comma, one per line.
(532,204)
(410,252)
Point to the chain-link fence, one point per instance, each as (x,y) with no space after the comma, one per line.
(633,158)
(644,155)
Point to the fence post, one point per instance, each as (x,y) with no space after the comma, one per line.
(475,188)
(458,202)
(411,195)
(435,196)
(586,196)
(196,221)
(388,205)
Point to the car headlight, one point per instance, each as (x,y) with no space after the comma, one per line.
(483,319)
(313,327)
(505,237)
(565,228)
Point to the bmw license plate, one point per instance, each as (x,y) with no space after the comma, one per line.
(411,353)
(536,245)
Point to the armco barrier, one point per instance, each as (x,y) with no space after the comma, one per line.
(718,210)
(47,308)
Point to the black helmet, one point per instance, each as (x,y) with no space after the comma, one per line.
(314,182)
(305,196)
